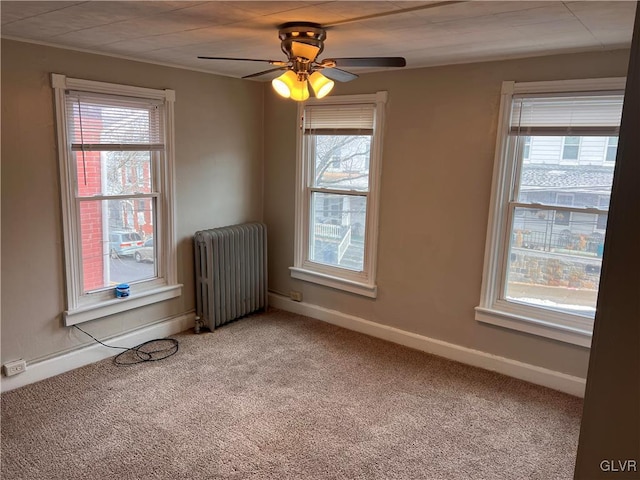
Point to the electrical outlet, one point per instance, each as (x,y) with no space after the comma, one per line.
(15,367)
(295,296)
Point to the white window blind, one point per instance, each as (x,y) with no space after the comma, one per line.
(339,119)
(105,122)
(565,115)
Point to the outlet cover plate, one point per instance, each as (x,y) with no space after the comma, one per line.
(15,367)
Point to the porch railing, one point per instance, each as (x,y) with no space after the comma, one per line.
(334,234)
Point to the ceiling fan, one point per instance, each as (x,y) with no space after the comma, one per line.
(302,42)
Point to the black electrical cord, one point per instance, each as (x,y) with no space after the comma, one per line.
(150,351)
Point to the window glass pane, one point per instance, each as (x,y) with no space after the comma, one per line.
(526,148)
(571,148)
(545,179)
(612,149)
(341,161)
(113,173)
(114,242)
(570,152)
(562,218)
(602,221)
(337,230)
(554,265)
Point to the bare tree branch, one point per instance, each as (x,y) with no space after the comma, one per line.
(351,151)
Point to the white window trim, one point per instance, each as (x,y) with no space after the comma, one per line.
(84,307)
(567,328)
(361,283)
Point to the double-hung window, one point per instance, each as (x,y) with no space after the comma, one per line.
(338,177)
(116,168)
(552,182)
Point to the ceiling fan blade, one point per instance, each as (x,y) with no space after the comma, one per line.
(272,62)
(304,50)
(265,72)
(338,75)
(369,62)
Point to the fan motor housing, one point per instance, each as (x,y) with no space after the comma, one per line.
(305,32)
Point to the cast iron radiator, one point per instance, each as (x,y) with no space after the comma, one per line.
(231,273)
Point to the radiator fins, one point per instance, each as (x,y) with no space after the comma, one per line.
(231,273)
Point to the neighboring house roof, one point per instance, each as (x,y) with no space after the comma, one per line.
(591,178)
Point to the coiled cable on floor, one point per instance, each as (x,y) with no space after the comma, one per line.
(150,351)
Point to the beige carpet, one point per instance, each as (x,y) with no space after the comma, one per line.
(279,396)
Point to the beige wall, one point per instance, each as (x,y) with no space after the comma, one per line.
(436,183)
(218,182)
(437,167)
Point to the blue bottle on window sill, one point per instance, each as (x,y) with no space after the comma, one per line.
(122,290)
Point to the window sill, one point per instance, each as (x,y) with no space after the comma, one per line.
(521,323)
(332,281)
(118,305)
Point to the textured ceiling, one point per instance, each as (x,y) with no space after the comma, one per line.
(425,33)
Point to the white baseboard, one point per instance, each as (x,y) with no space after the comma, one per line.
(39,370)
(523,371)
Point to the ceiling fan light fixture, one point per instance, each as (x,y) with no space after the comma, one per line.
(299,91)
(304,50)
(321,85)
(284,84)
(302,42)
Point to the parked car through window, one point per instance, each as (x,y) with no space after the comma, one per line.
(145,253)
(124,244)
